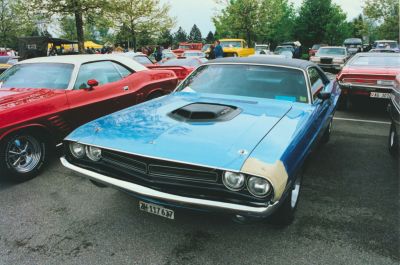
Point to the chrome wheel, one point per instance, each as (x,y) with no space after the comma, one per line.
(295,192)
(23,154)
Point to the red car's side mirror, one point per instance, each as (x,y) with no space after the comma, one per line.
(92,83)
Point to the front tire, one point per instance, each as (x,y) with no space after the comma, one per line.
(22,156)
(327,133)
(284,215)
(393,140)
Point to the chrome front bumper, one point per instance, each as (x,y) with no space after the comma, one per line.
(174,199)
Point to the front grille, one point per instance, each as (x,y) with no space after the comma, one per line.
(326,60)
(155,169)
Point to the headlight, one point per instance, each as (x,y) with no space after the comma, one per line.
(233,181)
(259,187)
(93,153)
(77,150)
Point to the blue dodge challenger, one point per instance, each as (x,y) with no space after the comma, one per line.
(233,138)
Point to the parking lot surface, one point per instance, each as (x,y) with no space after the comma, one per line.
(348,214)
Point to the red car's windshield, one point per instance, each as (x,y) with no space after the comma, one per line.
(37,75)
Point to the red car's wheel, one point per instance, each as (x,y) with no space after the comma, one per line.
(22,156)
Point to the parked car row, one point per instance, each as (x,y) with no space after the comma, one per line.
(230,135)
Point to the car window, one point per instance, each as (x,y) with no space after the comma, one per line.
(376,61)
(104,72)
(316,80)
(122,69)
(37,75)
(250,81)
(144,60)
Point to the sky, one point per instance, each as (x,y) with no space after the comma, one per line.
(200,12)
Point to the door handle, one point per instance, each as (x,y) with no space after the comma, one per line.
(125,88)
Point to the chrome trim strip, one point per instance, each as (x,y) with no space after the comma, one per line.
(170,176)
(350,85)
(154,157)
(141,190)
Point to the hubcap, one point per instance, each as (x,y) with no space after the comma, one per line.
(23,154)
(295,192)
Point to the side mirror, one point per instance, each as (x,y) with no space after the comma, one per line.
(92,83)
(324,95)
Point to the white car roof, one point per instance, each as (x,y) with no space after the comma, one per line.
(78,60)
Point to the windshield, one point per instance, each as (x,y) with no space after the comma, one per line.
(184,47)
(205,47)
(374,61)
(231,44)
(261,48)
(248,80)
(37,75)
(183,62)
(316,46)
(142,60)
(352,42)
(331,51)
(281,49)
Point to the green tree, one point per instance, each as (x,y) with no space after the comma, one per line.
(180,35)
(79,9)
(358,27)
(142,17)
(386,13)
(166,39)
(321,22)
(239,18)
(210,37)
(195,34)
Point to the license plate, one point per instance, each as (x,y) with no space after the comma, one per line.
(379,95)
(157,210)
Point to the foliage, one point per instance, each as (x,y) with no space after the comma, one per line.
(195,34)
(180,36)
(143,19)
(386,13)
(321,22)
(166,39)
(210,37)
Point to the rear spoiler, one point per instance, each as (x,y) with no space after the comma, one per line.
(180,71)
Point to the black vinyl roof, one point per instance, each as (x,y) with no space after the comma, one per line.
(296,63)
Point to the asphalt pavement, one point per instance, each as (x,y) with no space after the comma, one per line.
(348,214)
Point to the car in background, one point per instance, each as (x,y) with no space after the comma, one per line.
(139,57)
(232,138)
(181,66)
(394,112)
(369,74)
(353,45)
(193,54)
(383,50)
(236,48)
(184,46)
(386,44)
(262,49)
(313,50)
(286,51)
(206,48)
(6,62)
(331,57)
(167,55)
(44,99)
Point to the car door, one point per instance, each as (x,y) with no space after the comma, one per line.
(319,83)
(88,103)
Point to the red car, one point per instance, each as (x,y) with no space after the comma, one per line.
(369,74)
(182,67)
(313,50)
(184,46)
(43,99)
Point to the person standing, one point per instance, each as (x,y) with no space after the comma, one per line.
(218,51)
(211,53)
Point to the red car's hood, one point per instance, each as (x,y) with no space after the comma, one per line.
(12,97)
(371,71)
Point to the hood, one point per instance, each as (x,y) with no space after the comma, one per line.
(222,139)
(13,97)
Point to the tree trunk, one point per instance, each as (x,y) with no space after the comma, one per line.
(79,26)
